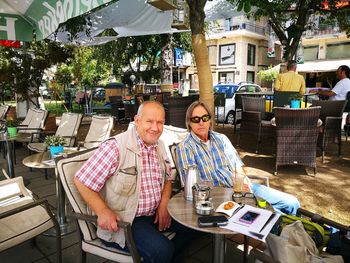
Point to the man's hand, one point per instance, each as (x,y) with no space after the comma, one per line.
(107,220)
(162,216)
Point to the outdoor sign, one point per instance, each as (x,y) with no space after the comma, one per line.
(10,43)
(178,57)
(18,19)
(300,54)
(271,47)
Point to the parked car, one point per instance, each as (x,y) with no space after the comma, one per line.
(227,113)
(99,94)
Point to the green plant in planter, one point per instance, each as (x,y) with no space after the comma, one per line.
(54,140)
(10,122)
(295,96)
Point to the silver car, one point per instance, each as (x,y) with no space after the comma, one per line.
(227,114)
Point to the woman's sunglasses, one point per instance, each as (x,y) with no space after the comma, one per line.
(197,119)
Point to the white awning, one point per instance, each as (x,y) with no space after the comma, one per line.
(322,65)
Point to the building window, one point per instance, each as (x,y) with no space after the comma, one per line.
(251,55)
(339,50)
(227,77)
(250,76)
(227,54)
(310,53)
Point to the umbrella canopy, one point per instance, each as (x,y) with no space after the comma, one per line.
(20,18)
(127,18)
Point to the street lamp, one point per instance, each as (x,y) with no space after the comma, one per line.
(132,78)
(139,47)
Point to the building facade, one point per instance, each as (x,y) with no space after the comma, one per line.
(237,49)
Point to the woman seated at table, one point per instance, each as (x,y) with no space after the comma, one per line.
(218,161)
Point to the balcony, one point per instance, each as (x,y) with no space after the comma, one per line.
(251,27)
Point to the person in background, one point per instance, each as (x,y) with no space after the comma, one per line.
(218,161)
(290,81)
(342,87)
(128,178)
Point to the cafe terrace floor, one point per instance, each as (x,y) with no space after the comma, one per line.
(328,194)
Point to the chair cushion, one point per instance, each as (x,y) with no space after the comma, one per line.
(67,169)
(96,247)
(100,130)
(37,147)
(24,225)
(69,126)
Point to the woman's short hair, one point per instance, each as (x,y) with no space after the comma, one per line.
(190,110)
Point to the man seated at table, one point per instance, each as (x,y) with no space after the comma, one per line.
(217,160)
(290,81)
(342,87)
(127,178)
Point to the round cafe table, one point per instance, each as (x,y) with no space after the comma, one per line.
(183,211)
(44,161)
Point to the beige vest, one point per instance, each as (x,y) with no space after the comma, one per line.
(121,191)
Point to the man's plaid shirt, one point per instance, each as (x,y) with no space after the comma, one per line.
(104,162)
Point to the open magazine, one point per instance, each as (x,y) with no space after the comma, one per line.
(249,220)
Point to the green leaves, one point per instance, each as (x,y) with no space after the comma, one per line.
(243,5)
(54,140)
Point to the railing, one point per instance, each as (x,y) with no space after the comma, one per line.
(252,27)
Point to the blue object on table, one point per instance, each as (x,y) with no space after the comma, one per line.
(295,104)
(55,150)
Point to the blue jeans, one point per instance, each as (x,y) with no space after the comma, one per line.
(152,245)
(280,201)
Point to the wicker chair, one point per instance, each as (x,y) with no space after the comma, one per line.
(296,136)
(255,120)
(331,116)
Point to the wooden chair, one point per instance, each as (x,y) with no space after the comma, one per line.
(331,116)
(255,120)
(22,217)
(296,136)
(89,242)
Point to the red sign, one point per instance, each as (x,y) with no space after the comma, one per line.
(10,43)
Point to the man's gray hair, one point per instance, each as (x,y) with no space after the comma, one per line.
(139,110)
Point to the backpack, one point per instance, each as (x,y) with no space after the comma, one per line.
(319,233)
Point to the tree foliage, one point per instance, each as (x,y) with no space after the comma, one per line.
(122,54)
(289,19)
(22,69)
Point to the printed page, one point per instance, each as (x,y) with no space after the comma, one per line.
(252,221)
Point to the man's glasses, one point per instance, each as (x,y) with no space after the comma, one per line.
(245,198)
(243,194)
(197,119)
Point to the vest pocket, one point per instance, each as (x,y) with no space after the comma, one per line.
(125,184)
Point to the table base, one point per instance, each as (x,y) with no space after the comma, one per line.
(67,228)
(219,248)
